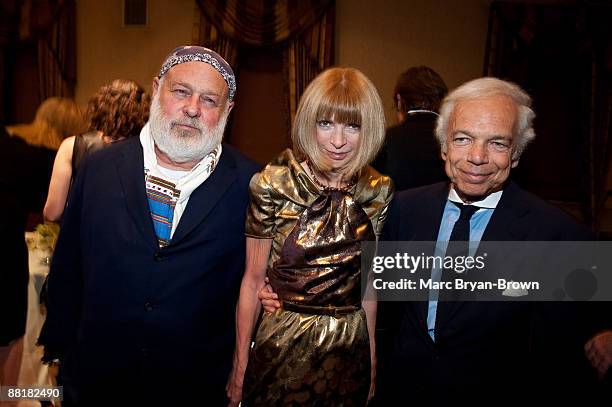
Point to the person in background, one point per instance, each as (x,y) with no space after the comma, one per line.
(118,110)
(310,210)
(26,158)
(56,119)
(411,155)
(147,266)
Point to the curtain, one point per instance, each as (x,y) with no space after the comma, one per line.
(562,55)
(9,22)
(600,121)
(48,26)
(302,29)
(208,35)
(307,55)
(57,53)
(262,22)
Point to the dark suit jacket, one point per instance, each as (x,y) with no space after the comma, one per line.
(411,153)
(123,312)
(24,179)
(483,350)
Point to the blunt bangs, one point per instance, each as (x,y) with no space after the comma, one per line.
(341,104)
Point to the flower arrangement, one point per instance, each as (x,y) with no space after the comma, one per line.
(44,237)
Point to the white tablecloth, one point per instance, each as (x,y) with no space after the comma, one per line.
(33,372)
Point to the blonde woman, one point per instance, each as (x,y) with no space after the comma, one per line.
(56,118)
(25,168)
(310,209)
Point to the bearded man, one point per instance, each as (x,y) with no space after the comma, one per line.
(148,264)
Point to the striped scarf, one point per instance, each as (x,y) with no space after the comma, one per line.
(168,198)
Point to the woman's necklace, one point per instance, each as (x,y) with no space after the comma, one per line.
(324,187)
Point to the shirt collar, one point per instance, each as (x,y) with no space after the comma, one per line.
(489,202)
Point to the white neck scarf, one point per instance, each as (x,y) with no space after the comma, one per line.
(187,184)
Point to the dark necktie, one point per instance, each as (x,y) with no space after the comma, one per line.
(461,230)
(458,243)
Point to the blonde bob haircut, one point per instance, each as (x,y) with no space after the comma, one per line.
(346,96)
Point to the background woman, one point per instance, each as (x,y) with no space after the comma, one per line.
(26,160)
(117,111)
(56,118)
(310,209)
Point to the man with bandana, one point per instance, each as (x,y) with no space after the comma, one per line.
(148,264)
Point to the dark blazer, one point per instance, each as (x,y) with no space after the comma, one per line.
(411,153)
(24,179)
(482,349)
(124,313)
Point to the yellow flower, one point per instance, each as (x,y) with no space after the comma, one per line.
(46,236)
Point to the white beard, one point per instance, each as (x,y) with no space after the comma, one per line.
(183,146)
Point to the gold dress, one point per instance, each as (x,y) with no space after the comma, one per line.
(314,350)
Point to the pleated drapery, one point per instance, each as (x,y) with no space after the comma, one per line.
(48,29)
(303,29)
(57,53)
(562,55)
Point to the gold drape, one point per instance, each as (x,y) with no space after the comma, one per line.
(308,55)
(262,22)
(208,35)
(303,29)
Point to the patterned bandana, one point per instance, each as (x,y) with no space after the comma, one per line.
(189,53)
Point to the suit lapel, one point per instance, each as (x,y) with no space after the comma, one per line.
(426,230)
(130,166)
(506,223)
(206,196)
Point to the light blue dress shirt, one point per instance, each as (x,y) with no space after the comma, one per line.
(478,224)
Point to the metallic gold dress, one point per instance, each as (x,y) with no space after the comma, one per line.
(315,350)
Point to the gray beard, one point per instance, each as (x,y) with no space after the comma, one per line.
(183,146)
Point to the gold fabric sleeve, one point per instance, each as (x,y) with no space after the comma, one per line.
(260,215)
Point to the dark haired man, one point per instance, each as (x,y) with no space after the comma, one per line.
(411,156)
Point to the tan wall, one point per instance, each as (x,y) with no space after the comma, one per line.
(381,38)
(107,51)
(384,40)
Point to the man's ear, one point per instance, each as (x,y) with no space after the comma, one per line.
(398,103)
(230,106)
(514,157)
(155,86)
(399,108)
